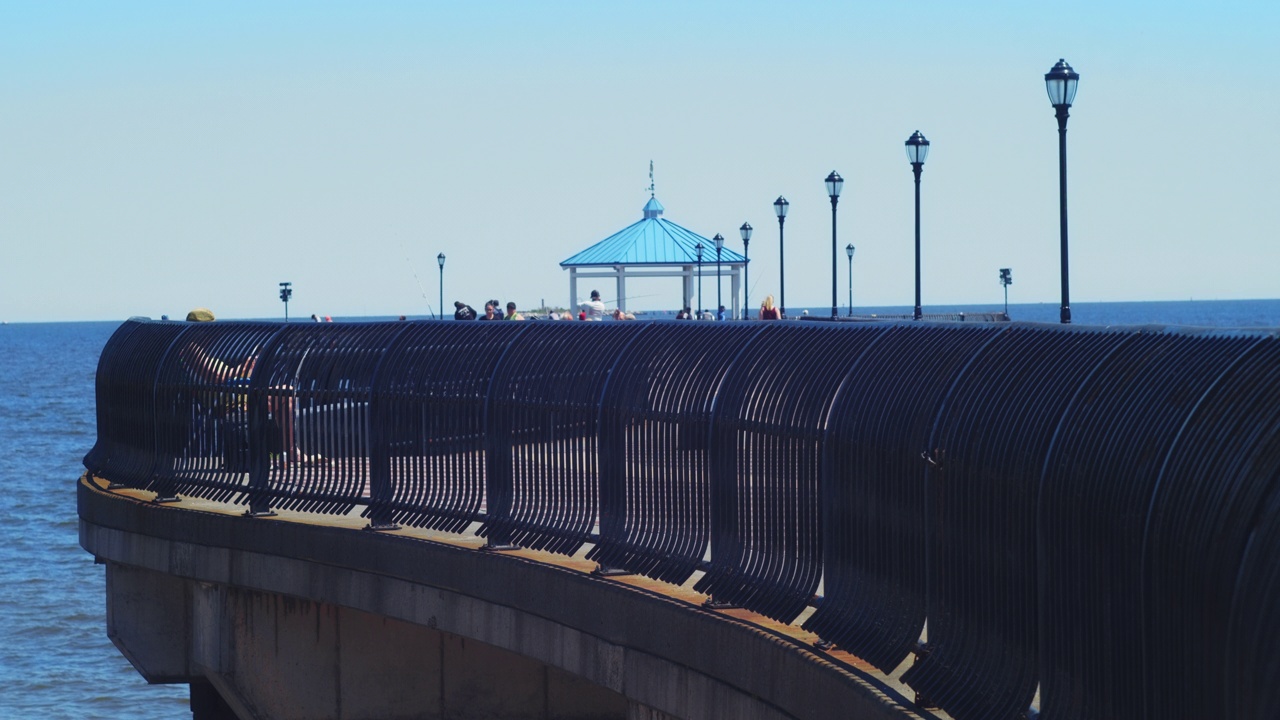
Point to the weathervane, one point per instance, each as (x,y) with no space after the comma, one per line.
(650,178)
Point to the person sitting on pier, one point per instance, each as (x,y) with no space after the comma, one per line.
(214,371)
(511,312)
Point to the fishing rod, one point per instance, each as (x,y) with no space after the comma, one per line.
(616,301)
(629,297)
(414,270)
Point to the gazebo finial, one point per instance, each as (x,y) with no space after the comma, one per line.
(653,208)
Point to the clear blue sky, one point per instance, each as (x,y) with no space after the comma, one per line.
(160,156)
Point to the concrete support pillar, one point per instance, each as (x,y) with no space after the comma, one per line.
(207,704)
(148,620)
(622,287)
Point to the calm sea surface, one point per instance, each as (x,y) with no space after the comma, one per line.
(55,658)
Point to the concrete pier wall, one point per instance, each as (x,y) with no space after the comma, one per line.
(296,620)
(274,656)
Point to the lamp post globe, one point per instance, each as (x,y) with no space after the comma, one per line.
(698,249)
(1061,82)
(440,262)
(745,232)
(780,209)
(917,151)
(834,185)
(848,250)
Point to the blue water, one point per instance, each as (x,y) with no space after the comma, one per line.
(55,658)
(1199,313)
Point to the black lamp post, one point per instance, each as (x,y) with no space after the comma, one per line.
(745,231)
(834,183)
(698,249)
(440,260)
(719,241)
(917,151)
(848,250)
(286,292)
(1006,279)
(780,207)
(1061,83)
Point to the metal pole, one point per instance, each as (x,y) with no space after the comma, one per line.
(1062,195)
(440,308)
(719,302)
(286,291)
(699,286)
(917,168)
(782,271)
(850,286)
(834,199)
(746,276)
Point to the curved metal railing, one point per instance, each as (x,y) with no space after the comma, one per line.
(1090,512)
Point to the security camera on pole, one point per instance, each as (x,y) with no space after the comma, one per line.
(1006,279)
(286,292)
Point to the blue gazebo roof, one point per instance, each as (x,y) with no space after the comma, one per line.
(653,240)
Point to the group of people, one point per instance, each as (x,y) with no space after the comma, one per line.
(768,311)
(594,310)
(688,314)
(492,311)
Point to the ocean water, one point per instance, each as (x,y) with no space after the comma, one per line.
(55,658)
(1196,313)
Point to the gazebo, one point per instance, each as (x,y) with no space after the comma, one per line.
(655,247)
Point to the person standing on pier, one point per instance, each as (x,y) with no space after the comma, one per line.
(594,308)
(463,311)
(767,309)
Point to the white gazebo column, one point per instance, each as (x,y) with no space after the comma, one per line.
(686,297)
(573,289)
(622,286)
(736,284)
